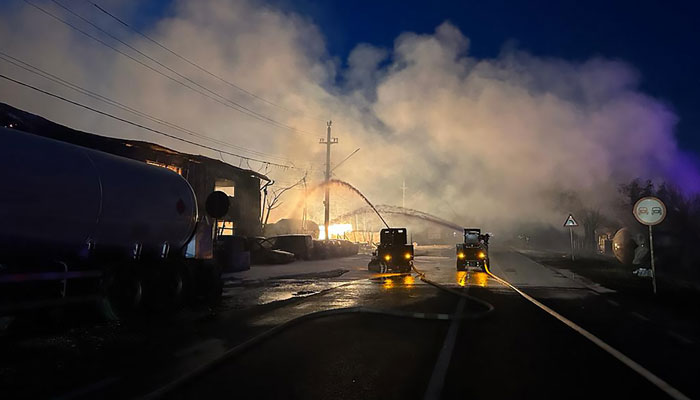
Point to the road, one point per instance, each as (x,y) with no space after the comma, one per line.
(517,351)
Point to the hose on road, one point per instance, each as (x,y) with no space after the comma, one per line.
(162,391)
(488,307)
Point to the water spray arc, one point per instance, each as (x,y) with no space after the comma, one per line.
(338,182)
(356,191)
(387,209)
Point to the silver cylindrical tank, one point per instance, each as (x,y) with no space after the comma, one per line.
(623,246)
(61,198)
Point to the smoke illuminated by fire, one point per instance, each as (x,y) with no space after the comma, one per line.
(336,230)
(490,141)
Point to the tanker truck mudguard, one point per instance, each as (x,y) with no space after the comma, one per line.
(80,224)
(474,252)
(393,254)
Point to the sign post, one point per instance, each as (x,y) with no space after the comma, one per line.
(650,211)
(571,224)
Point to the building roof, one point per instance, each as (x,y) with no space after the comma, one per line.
(27,122)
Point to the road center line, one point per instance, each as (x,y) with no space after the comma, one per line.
(645,373)
(679,337)
(613,302)
(437,379)
(639,316)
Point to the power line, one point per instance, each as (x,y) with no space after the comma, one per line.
(168,68)
(140,125)
(233,105)
(345,159)
(53,78)
(192,63)
(248,110)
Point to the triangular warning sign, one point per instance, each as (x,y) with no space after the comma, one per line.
(570,222)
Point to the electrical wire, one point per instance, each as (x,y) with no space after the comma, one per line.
(194,64)
(58,80)
(225,102)
(168,68)
(140,125)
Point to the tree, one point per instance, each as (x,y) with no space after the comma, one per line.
(274,200)
(591,220)
(635,190)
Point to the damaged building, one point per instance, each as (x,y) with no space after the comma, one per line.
(204,174)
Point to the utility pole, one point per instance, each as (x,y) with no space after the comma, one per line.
(303,216)
(328,142)
(403,195)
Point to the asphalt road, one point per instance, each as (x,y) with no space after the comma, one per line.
(517,351)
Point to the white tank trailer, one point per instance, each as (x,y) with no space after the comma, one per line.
(78,224)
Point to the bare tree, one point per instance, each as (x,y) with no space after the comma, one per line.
(274,199)
(591,220)
(264,201)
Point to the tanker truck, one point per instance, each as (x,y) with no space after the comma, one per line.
(78,224)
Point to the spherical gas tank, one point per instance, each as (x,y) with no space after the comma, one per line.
(62,198)
(623,246)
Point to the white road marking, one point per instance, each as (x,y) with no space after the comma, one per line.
(679,337)
(645,373)
(613,302)
(640,316)
(437,379)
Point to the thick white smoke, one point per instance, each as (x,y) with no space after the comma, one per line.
(488,141)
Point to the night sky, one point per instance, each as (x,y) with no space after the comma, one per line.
(658,38)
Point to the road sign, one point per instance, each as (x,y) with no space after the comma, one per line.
(570,222)
(649,211)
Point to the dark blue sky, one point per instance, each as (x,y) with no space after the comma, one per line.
(661,39)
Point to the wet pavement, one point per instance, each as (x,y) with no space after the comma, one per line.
(518,351)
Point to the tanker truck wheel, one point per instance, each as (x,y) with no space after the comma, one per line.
(209,285)
(181,286)
(165,287)
(122,292)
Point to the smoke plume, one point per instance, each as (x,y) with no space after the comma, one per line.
(481,141)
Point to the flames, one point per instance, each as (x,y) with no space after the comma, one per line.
(335,230)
